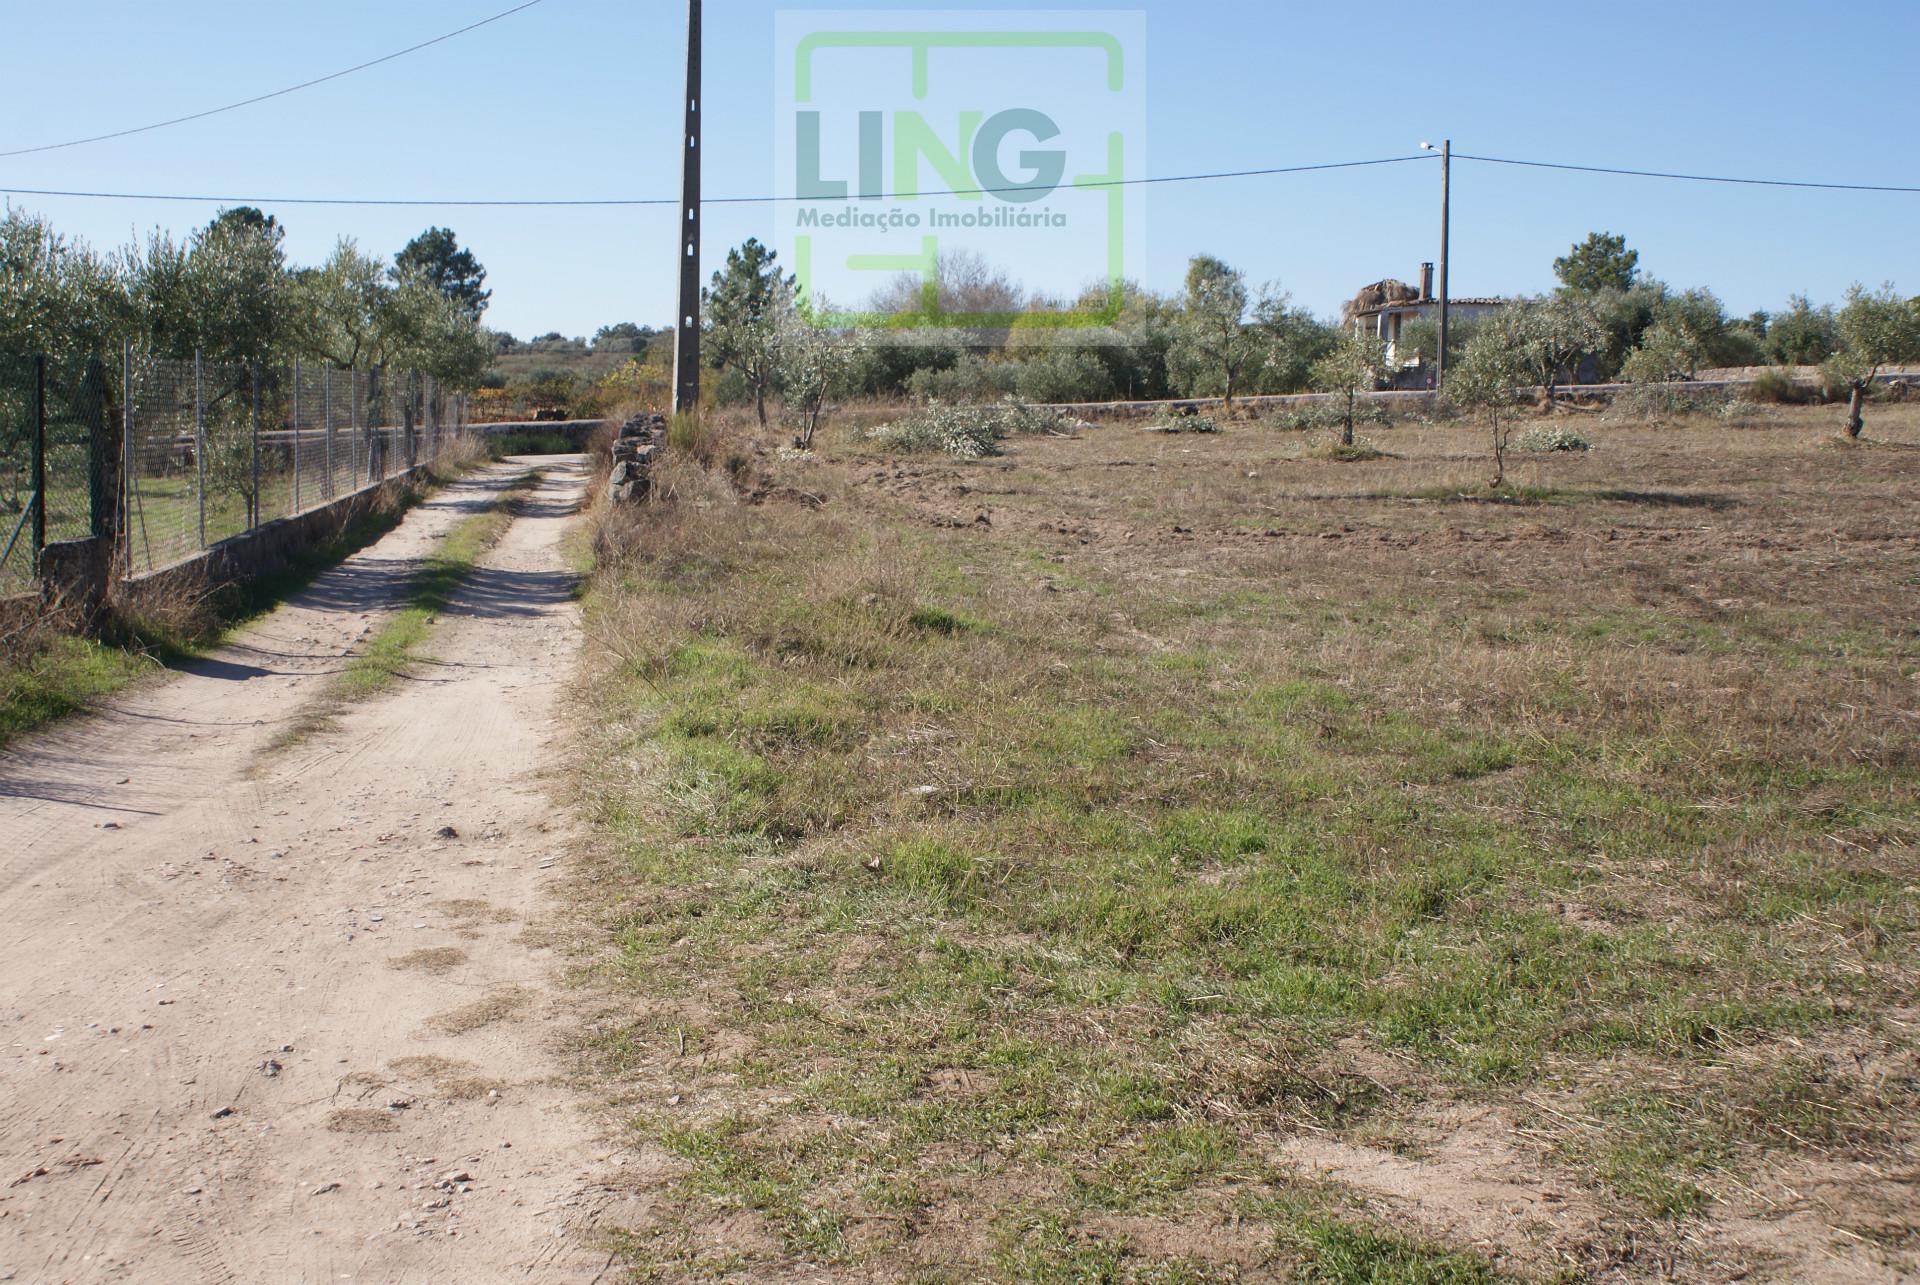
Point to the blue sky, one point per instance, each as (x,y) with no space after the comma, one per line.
(579,98)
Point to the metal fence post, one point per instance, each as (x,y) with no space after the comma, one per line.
(39,458)
(253,504)
(326,423)
(296,434)
(353,432)
(127,479)
(103,497)
(373,409)
(200,444)
(407,419)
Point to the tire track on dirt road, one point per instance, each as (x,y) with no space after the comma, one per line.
(271,1016)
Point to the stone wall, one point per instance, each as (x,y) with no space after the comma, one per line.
(638,448)
(578,433)
(273,546)
(80,578)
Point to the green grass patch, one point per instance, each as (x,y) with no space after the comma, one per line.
(1340,1253)
(61,677)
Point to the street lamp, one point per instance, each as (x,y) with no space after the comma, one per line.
(1446,193)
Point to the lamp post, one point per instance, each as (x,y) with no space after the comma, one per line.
(1446,194)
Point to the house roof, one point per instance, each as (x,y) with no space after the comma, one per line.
(1405,305)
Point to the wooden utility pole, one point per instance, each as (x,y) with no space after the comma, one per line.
(1446,194)
(686,334)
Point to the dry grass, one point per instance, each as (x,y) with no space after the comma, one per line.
(470,912)
(452,1079)
(501,1004)
(1014,862)
(362,1120)
(434,960)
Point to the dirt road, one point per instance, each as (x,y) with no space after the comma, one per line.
(271,1015)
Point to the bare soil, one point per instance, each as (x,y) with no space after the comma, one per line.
(272,1014)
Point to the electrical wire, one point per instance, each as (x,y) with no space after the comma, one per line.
(278,93)
(552,203)
(1690,178)
(712,200)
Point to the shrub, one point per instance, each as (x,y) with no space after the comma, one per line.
(1740,413)
(1185,422)
(1665,401)
(1360,448)
(1776,385)
(965,432)
(1318,415)
(1552,439)
(968,381)
(1064,375)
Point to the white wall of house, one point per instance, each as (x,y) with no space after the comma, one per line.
(1386,323)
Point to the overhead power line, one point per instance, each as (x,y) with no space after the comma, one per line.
(1211,176)
(278,93)
(711,200)
(1689,178)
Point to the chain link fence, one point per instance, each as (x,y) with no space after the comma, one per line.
(216,450)
(179,455)
(53,414)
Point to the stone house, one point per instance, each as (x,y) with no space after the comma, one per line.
(1384,308)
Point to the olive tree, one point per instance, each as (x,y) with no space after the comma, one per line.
(237,286)
(1877,328)
(1668,351)
(1293,339)
(1138,363)
(1354,365)
(1213,348)
(55,294)
(338,307)
(816,365)
(1548,336)
(1801,334)
(351,311)
(1690,327)
(1489,378)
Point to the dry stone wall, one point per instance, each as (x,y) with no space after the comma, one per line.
(635,452)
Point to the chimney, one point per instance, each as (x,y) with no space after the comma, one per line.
(1426,281)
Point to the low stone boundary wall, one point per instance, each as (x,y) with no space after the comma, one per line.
(79,578)
(1420,396)
(578,432)
(273,546)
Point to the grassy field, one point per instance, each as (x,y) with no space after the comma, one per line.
(1150,857)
